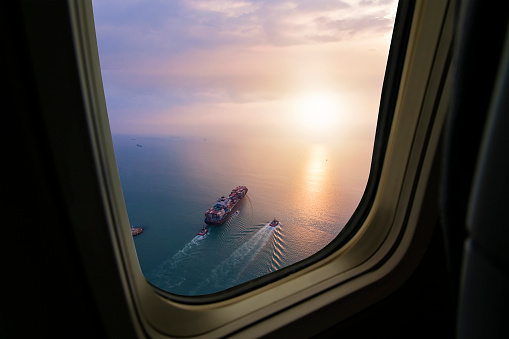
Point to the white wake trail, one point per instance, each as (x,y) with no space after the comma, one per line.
(221,276)
(167,274)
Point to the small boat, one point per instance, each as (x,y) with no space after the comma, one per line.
(136,230)
(203,231)
(274,223)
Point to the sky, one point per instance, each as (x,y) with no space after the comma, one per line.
(302,69)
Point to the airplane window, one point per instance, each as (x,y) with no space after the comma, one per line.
(243,130)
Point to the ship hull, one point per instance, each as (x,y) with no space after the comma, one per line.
(227,216)
(217,214)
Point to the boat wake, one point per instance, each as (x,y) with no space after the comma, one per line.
(277,249)
(221,276)
(169,274)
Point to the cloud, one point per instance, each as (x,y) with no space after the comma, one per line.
(341,28)
(227,7)
(135,29)
(175,59)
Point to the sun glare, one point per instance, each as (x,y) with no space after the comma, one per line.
(317,112)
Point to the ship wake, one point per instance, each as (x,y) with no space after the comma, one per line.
(225,274)
(169,274)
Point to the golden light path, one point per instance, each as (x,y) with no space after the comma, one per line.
(314,199)
(316,175)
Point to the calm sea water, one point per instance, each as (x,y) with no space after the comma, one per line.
(168,184)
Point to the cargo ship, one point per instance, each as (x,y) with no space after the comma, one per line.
(225,206)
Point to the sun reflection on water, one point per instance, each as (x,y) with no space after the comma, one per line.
(316,174)
(315,184)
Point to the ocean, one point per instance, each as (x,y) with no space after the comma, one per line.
(169,182)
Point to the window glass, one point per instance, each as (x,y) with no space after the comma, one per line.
(243,130)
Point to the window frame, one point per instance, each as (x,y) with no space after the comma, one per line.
(381,254)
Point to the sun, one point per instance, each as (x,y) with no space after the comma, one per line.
(317,112)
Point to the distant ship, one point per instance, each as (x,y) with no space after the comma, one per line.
(274,223)
(225,207)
